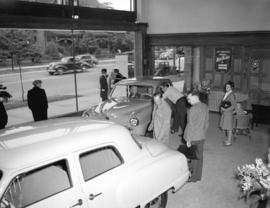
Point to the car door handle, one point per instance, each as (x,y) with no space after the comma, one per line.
(92,196)
(79,203)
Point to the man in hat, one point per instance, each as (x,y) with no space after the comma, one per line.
(103,85)
(3,113)
(37,101)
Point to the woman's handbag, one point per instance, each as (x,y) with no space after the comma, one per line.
(226,104)
(189,152)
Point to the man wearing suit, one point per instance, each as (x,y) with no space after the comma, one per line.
(103,85)
(197,124)
(37,101)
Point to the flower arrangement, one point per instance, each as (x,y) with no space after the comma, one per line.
(254,180)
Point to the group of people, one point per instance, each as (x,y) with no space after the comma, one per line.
(188,115)
(185,115)
(37,103)
(107,82)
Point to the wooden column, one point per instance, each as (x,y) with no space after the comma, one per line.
(140,54)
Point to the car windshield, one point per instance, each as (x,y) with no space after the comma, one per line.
(132,92)
(66,59)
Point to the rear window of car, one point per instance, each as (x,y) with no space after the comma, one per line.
(37,185)
(99,161)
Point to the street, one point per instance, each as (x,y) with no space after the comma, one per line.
(87,82)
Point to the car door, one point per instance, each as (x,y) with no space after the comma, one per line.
(52,184)
(70,64)
(101,170)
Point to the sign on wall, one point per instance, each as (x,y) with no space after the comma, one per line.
(223,59)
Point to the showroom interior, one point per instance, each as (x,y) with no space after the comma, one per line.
(205,40)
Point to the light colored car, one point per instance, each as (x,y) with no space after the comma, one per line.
(132,112)
(77,162)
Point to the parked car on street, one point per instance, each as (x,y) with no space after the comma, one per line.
(132,112)
(90,59)
(77,162)
(66,65)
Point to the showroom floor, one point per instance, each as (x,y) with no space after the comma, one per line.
(218,188)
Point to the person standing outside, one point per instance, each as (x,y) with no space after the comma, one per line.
(103,85)
(37,101)
(180,106)
(195,132)
(227,117)
(161,119)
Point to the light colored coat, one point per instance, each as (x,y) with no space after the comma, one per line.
(227,118)
(161,122)
(197,122)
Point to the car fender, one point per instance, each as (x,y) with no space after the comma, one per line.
(167,171)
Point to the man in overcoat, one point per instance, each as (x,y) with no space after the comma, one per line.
(37,101)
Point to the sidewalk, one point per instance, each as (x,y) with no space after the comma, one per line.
(57,108)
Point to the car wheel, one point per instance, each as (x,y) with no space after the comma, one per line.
(159,202)
(84,68)
(51,73)
(60,71)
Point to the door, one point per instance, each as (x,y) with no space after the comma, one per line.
(101,172)
(49,185)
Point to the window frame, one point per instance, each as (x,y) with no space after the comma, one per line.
(113,148)
(41,167)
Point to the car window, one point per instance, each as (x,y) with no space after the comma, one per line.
(133,91)
(36,185)
(120,91)
(99,161)
(1,174)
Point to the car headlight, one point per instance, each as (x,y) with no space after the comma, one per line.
(133,120)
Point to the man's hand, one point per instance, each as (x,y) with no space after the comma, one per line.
(188,144)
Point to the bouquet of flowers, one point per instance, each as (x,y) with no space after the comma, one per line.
(254,180)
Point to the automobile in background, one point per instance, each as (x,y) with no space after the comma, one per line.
(132,112)
(89,58)
(77,162)
(67,65)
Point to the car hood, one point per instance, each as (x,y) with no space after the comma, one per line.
(114,108)
(121,108)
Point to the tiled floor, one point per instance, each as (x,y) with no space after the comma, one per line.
(218,188)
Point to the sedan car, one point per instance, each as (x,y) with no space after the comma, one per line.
(90,59)
(134,112)
(67,65)
(74,162)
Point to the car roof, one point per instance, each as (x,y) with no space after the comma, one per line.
(151,81)
(33,143)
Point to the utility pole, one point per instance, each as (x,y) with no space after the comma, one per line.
(73,18)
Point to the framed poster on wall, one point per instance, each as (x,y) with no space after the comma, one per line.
(223,59)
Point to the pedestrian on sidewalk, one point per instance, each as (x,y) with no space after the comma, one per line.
(4,96)
(227,109)
(179,106)
(103,85)
(3,113)
(161,119)
(197,124)
(37,101)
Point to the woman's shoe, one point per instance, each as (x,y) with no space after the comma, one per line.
(227,143)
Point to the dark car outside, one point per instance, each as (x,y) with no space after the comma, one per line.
(67,65)
(90,59)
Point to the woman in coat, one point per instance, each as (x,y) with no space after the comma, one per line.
(227,109)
